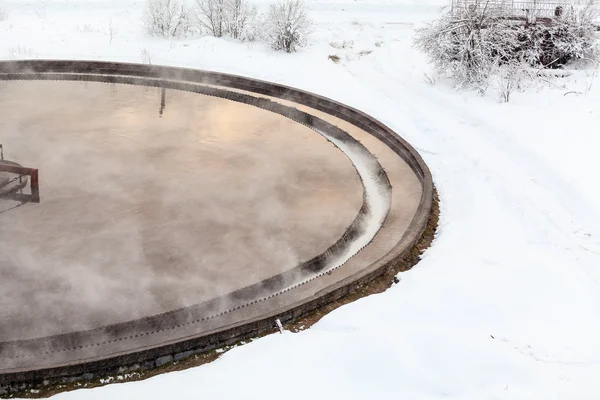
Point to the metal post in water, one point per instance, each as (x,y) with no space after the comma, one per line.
(162,101)
(35,186)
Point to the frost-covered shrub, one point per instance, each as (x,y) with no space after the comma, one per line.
(509,78)
(564,39)
(472,43)
(468,44)
(3,14)
(167,18)
(287,25)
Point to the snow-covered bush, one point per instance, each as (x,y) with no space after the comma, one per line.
(3,14)
(146,56)
(570,36)
(472,43)
(287,25)
(509,78)
(221,17)
(468,44)
(166,18)
(21,52)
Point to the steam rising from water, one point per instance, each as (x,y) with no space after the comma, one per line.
(377,195)
(141,214)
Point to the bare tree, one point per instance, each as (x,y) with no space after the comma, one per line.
(211,15)
(221,17)
(166,18)
(288,25)
(239,15)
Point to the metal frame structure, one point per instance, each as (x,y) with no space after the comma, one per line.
(516,8)
(32,173)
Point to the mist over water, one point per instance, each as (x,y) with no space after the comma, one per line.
(143,213)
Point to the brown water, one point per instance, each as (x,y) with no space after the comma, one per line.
(142,213)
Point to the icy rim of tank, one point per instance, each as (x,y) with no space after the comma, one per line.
(187,79)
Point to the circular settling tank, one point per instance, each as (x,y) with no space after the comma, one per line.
(156,210)
(176,211)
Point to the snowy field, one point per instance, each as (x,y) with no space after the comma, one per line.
(504,305)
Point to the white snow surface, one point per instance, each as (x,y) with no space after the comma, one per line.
(504,305)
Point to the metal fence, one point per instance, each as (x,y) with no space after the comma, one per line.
(527,9)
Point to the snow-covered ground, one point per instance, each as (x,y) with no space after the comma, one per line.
(504,305)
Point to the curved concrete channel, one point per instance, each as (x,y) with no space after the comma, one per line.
(397,195)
